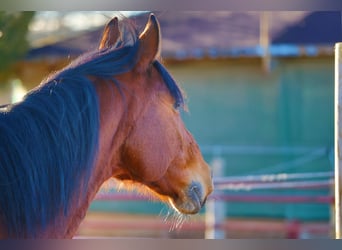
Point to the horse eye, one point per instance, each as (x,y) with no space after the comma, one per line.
(177,106)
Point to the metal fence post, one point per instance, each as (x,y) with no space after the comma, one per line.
(338,136)
(215,209)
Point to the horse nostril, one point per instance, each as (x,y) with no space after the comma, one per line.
(196,189)
(195,193)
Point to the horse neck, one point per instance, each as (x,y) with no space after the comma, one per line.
(111,112)
(113,105)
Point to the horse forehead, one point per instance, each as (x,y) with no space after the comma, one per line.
(149,83)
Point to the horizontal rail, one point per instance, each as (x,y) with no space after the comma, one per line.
(274,198)
(257,150)
(271,177)
(280,185)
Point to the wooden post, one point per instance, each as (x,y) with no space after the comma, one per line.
(215,209)
(264,40)
(338,137)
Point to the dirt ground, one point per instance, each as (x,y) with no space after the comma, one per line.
(111,225)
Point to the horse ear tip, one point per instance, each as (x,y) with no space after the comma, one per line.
(153,18)
(113,21)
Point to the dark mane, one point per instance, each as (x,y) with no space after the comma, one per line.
(49,141)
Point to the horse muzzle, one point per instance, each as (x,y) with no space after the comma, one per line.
(192,200)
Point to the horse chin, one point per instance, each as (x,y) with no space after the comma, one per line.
(188,207)
(191,201)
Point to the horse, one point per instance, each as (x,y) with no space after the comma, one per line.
(113,112)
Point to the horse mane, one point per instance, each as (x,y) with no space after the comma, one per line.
(49,141)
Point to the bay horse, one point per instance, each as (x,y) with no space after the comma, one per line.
(112,113)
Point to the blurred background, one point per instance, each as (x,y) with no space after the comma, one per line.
(260,92)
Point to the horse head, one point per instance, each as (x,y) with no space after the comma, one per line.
(148,143)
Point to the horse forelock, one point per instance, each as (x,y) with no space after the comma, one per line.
(171,85)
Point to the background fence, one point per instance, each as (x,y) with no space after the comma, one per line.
(284,189)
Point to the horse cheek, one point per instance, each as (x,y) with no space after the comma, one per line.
(145,154)
(157,152)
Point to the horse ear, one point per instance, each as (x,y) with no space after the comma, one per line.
(111,34)
(149,41)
